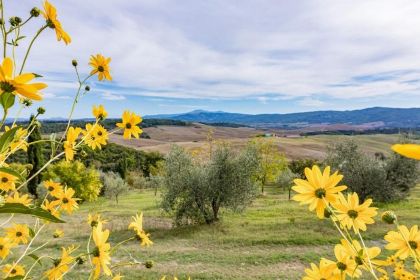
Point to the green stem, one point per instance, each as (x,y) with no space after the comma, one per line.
(19,26)
(30,47)
(3,29)
(367,254)
(120,243)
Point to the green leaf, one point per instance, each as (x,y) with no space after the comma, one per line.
(14,277)
(7,138)
(7,100)
(31,232)
(36,258)
(34,211)
(13,173)
(20,38)
(37,75)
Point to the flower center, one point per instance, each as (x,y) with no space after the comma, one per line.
(18,234)
(359,260)
(50,189)
(413,244)
(352,214)
(50,24)
(1,247)
(96,252)
(7,87)
(93,223)
(65,200)
(100,133)
(4,180)
(320,193)
(101,68)
(128,125)
(341,266)
(13,271)
(57,262)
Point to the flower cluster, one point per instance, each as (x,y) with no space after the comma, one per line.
(322,192)
(19,236)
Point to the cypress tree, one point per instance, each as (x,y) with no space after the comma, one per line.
(35,156)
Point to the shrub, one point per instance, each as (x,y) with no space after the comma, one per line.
(85,181)
(285,180)
(114,185)
(195,192)
(383,180)
(298,166)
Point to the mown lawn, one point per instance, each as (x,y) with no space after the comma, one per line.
(274,239)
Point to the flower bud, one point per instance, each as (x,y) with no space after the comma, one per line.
(35,12)
(74,62)
(80,260)
(87,88)
(27,102)
(15,21)
(41,110)
(327,213)
(388,217)
(148,264)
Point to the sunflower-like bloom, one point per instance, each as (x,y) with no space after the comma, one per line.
(318,189)
(101,254)
(141,235)
(61,265)
(344,265)
(129,123)
(100,65)
(50,15)
(13,270)
(404,241)
(360,255)
(16,198)
(5,245)
(7,182)
(58,233)
(323,271)
(69,144)
(99,112)
(66,200)
(19,84)
(95,219)
(19,142)
(54,188)
(96,136)
(407,150)
(52,207)
(18,233)
(351,214)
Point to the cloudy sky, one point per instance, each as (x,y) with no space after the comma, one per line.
(261,56)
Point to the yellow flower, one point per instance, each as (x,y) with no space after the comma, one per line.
(50,14)
(18,233)
(408,150)
(344,265)
(351,214)
(51,207)
(323,271)
(95,136)
(95,219)
(404,241)
(101,254)
(137,224)
(69,144)
(99,112)
(58,233)
(18,84)
(54,188)
(117,277)
(5,245)
(317,189)
(7,182)
(61,265)
(129,122)
(66,200)
(360,255)
(100,65)
(16,198)
(13,270)
(144,238)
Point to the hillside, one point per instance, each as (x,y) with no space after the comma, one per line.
(376,117)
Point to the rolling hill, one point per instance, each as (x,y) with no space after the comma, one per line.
(375,117)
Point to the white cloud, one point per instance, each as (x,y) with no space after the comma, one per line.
(311,102)
(237,49)
(112,96)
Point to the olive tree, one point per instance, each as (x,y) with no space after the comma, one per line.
(195,192)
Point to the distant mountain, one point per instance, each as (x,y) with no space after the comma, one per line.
(380,116)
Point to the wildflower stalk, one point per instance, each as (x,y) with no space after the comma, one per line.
(367,254)
(3,29)
(30,47)
(413,254)
(121,243)
(33,265)
(8,220)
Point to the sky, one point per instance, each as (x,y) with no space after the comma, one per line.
(260,56)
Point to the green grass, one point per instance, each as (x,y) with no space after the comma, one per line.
(273,239)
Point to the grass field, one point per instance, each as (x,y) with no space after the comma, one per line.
(273,239)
